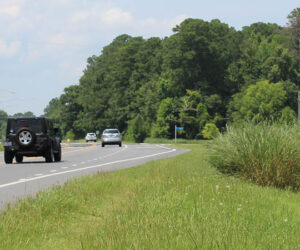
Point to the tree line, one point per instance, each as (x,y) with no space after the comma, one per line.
(202,76)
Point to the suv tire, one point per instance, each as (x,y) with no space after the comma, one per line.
(8,157)
(57,156)
(25,137)
(49,154)
(19,158)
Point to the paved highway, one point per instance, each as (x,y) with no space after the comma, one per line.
(19,180)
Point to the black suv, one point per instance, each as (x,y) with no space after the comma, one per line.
(31,136)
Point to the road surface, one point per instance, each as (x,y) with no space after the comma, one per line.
(19,180)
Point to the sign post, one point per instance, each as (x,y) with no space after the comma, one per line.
(177,128)
(175,133)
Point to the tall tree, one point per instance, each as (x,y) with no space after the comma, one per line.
(26,114)
(3,121)
(294,31)
(261,101)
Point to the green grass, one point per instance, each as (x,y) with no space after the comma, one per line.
(266,154)
(176,203)
(172,141)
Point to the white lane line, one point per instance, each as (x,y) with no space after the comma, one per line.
(85,168)
(114,153)
(74,165)
(64,167)
(52,171)
(75,147)
(161,146)
(146,147)
(38,174)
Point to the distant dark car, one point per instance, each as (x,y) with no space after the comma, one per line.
(111,136)
(31,136)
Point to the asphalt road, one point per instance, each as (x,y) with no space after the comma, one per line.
(19,180)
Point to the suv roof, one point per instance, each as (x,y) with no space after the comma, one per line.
(39,123)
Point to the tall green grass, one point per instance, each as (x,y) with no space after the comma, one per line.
(176,203)
(266,154)
(172,141)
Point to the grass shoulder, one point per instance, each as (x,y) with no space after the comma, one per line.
(176,203)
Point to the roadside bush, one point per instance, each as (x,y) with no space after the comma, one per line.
(266,154)
(137,130)
(210,131)
(69,135)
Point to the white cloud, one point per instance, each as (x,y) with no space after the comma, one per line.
(80,16)
(60,2)
(116,16)
(171,23)
(10,10)
(8,50)
(58,39)
(150,27)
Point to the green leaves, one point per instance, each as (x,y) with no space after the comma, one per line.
(262,101)
(205,73)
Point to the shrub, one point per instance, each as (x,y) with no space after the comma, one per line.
(210,131)
(70,135)
(137,130)
(265,154)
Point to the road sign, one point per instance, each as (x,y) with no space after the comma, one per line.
(177,128)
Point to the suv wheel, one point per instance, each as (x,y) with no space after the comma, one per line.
(25,137)
(57,156)
(120,144)
(19,158)
(49,154)
(102,144)
(8,157)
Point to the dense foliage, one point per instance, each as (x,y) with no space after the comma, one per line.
(267,154)
(200,77)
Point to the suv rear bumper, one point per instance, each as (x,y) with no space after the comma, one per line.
(37,149)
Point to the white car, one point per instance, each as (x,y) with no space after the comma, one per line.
(91,137)
(111,136)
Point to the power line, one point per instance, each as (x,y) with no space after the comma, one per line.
(9,91)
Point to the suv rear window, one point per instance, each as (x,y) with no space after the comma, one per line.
(33,124)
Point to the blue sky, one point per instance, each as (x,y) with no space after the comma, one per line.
(44,44)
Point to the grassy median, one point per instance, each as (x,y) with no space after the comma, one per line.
(177,203)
